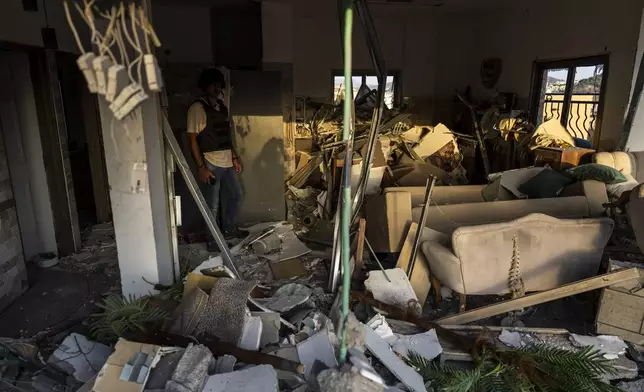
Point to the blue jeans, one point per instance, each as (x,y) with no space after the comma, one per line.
(225,196)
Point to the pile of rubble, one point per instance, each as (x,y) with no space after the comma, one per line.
(275,328)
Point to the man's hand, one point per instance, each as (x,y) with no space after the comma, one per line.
(237,165)
(205,175)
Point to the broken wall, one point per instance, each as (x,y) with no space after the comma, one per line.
(13,275)
(546,30)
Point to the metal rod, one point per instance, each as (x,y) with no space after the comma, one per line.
(181,162)
(431,182)
(379,62)
(376,258)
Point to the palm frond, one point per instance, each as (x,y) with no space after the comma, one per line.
(121,316)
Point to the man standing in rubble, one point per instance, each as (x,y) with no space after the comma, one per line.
(211,141)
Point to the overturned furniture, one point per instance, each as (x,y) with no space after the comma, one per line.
(533,253)
(389,214)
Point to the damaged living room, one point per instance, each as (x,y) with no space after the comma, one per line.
(321,195)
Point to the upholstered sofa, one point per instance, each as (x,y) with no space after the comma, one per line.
(631,164)
(389,214)
(551,252)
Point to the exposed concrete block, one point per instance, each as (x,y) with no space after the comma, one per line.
(255,379)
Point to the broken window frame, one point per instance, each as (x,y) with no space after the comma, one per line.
(541,66)
(363,74)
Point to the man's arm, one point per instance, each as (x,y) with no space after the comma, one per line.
(196,123)
(204,174)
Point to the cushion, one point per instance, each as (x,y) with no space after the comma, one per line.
(596,171)
(547,183)
(616,190)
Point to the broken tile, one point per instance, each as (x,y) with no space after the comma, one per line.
(270,327)
(291,247)
(425,344)
(381,349)
(316,348)
(610,346)
(261,378)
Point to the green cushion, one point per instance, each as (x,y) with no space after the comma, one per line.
(548,183)
(595,171)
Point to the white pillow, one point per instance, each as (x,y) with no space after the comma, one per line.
(616,190)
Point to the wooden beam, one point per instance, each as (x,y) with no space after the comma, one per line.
(579,287)
(360,249)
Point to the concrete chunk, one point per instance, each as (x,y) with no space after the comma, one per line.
(261,378)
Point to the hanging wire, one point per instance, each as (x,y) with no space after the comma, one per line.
(71,26)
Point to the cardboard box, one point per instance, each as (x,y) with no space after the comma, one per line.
(109,378)
(621,307)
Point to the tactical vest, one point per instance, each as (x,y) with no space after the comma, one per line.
(216,136)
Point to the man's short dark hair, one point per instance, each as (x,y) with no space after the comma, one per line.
(209,77)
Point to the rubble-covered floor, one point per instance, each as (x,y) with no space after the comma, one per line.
(61,297)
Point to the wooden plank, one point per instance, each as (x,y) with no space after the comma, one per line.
(629,336)
(622,310)
(630,286)
(420,278)
(579,287)
(360,249)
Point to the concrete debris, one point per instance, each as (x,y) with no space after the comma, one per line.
(611,346)
(261,378)
(212,262)
(626,369)
(381,349)
(331,380)
(252,334)
(80,357)
(224,364)
(286,297)
(191,371)
(511,339)
(379,324)
(291,247)
(398,292)
(316,352)
(270,327)
(631,386)
(267,244)
(424,344)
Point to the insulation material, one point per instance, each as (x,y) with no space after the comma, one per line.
(225,314)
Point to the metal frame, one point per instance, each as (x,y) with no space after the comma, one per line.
(381,71)
(429,189)
(537,74)
(192,185)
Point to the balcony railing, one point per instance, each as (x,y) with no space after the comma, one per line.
(582,116)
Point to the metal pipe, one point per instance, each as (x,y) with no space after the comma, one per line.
(431,182)
(376,258)
(181,162)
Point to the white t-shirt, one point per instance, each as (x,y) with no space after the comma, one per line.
(197,119)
